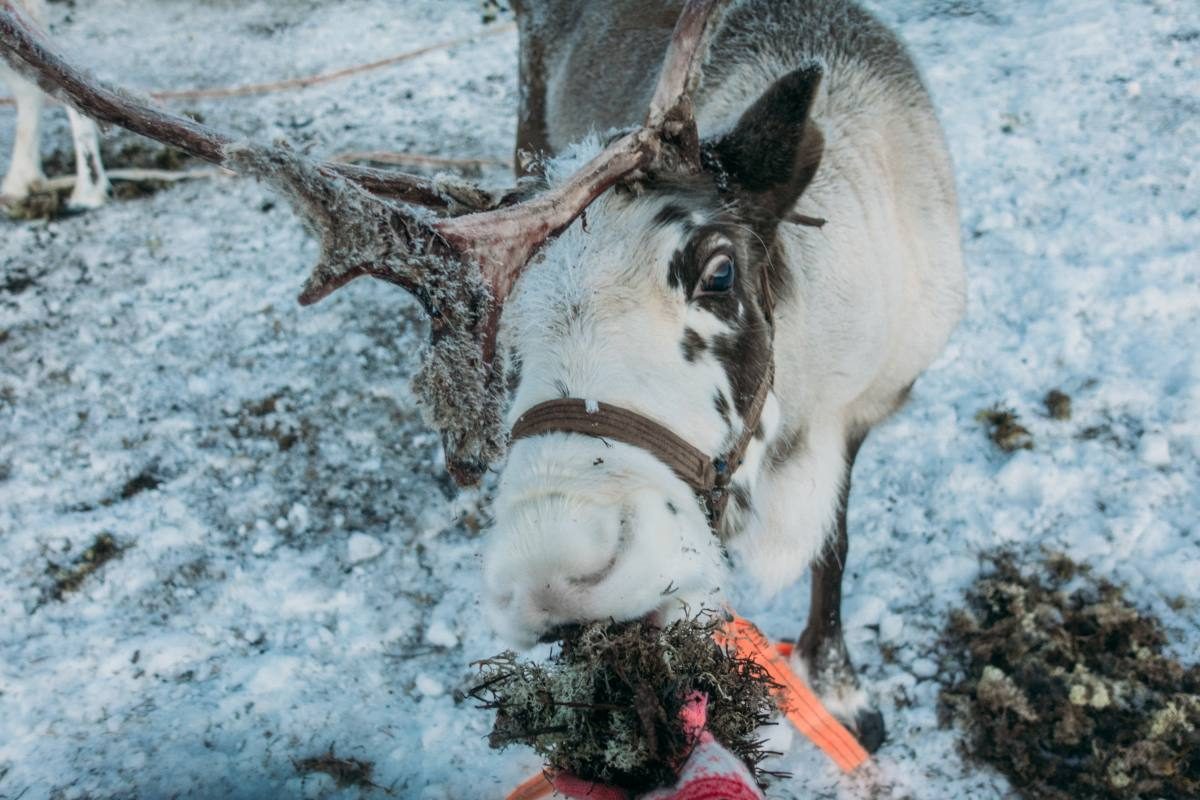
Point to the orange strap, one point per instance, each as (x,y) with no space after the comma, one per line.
(533,788)
(799,704)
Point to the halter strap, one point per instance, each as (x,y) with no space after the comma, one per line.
(708,476)
(571,415)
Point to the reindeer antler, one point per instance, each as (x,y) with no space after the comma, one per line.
(460,267)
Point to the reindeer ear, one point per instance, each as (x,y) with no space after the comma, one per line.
(774,150)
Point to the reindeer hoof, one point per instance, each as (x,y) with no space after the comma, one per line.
(79,205)
(828,670)
(18,186)
(88,196)
(869,729)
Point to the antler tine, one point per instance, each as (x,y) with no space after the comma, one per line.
(31,53)
(504,240)
(681,67)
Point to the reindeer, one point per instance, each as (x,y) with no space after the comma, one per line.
(25,169)
(703,314)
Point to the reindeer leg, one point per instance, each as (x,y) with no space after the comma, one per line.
(25,170)
(91,182)
(821,654)
(533,140)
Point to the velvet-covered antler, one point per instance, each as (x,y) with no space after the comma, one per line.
(460,266)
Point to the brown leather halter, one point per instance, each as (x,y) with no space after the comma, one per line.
(708,476)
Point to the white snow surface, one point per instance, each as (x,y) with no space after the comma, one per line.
(236,632)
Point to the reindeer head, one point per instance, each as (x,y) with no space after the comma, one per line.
(661,305)
(640,341)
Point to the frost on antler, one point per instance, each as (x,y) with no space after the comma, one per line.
(363,234)
(463,396)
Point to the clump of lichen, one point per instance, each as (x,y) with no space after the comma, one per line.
(1058,404)
(606,706)
(1005,429)
(1065,687)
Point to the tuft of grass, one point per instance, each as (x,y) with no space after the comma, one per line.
(66,579)
(144,481)
(1066,688)
(1005,429)
(606,706)
(271,418)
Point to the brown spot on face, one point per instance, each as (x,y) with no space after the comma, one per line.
(721,403)
(693,345)
(742,356)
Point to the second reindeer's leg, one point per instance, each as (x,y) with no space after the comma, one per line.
(25,167)
(91,182)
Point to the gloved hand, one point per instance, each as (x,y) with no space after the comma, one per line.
(710,773)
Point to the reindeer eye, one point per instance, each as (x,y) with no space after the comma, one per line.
(718,275)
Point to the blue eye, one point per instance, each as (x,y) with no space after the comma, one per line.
(719,274)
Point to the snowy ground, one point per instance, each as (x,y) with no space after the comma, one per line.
(248,623)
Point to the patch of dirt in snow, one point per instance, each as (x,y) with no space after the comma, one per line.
(69,577)
(1063,685)
(1005,429)
(158,340)
(344,771)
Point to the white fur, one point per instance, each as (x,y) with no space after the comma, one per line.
(596,318)
(877,291)
(576,542)
(874,295)
(795,507)
(91,181)
(25,167)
